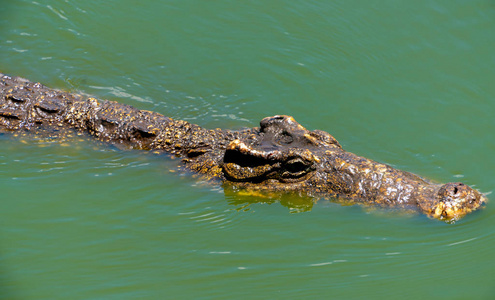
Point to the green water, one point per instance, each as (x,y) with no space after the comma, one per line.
(408,83)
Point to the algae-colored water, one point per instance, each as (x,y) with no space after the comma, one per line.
(408,83)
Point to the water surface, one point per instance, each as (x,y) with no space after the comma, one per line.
(405,83)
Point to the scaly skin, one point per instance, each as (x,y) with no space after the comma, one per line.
(280,155)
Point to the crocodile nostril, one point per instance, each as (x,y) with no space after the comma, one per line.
(452,189)
(459,187)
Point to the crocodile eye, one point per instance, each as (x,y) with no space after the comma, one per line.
(296,166)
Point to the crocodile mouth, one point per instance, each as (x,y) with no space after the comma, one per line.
(245,164)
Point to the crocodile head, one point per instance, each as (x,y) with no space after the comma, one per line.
(284,156)
(455,200)
(281,155)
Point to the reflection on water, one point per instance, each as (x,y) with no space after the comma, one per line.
(243,199)
(409,84)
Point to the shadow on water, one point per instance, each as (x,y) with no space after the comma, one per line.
(246,200)
(295,202)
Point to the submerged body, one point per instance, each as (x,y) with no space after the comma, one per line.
(280,155)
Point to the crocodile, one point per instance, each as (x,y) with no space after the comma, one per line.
(278,156)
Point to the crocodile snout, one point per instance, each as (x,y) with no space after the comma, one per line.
(456,200)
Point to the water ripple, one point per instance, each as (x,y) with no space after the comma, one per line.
(60,13)
(217,219)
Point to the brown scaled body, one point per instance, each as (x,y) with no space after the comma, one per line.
(280,155)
